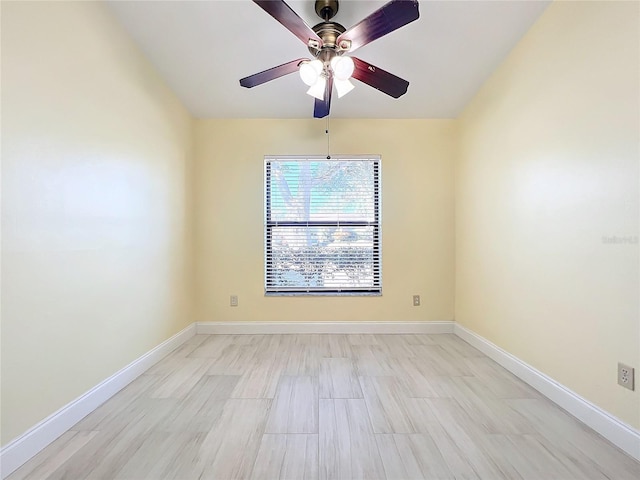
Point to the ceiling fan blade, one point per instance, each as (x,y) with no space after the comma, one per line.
(284,14)
(321,107)
(271,74)
(379,79)
(390,17)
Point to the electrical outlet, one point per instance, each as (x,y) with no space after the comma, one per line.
(416,300)
(625,376)
(233,300)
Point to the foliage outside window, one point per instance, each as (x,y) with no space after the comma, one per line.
(322,226)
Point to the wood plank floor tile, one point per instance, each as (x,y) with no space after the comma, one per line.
(454,456)
(581,466)
(576,441)
(200,411)
(230,448)
(372,360)
(421,449)
(303,359)
(429,361)
(419,339)
(398,345)
(397,465)
(507,452)
(387,405)
(307,339)
(187,373)
(54,456)
(278,346)
(490,414)
(182,351)
(211,347)
(240,339)
(164,455)
(347,445)
(418,381)
(437,360)
(334,346)
(144,414)
(109,450)
(110,412)
(338,378)
(295,406)
(455,422)
(362,339)
(456,346)
(497,381)
(420,415)
(232,359)
(86,459)
(287,457)
(260,378)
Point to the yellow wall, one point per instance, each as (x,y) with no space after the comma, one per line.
(417,213)
(547,167)
(98,176)
(95,198)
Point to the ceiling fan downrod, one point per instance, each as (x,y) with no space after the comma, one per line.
(326,9)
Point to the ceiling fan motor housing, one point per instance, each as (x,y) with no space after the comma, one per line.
(327,31)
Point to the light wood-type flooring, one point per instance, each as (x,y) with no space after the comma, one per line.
(329,407)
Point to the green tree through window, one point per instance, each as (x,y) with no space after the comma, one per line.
(322,226)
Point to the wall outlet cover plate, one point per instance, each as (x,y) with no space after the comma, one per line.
(626,376)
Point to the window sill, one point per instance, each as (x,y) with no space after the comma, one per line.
(323,294)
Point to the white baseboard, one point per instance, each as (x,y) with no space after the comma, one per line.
(611,428)
(263,328)
(21,449)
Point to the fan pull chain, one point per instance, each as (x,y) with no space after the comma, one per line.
(328,139)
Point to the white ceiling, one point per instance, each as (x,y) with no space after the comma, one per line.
(203,48)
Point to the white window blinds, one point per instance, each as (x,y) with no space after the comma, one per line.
(322,226)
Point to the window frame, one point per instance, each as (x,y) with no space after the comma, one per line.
(376,224)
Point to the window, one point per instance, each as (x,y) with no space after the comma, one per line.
(322,226)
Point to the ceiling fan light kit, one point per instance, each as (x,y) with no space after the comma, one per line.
(329,43)
(318,88)
(342,67)
(343,87)
(310,71)
(314,74)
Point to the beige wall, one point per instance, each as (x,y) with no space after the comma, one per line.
(97,214)
(417,212)
(547,167)
(95,225)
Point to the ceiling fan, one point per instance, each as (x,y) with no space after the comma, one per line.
(331,46)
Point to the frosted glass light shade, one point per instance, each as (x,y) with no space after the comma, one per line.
(310,71)
(343,87)
(342,67)
(317,89)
